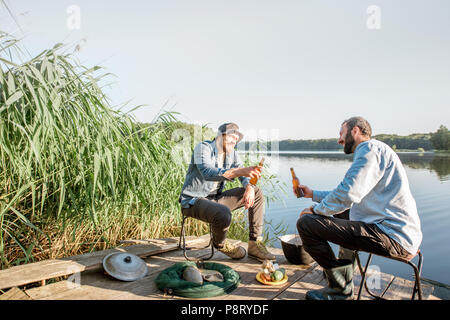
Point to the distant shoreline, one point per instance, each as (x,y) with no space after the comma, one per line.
(324,151)
(414,142)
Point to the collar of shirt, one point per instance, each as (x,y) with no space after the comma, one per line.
(359,146)
(216,154)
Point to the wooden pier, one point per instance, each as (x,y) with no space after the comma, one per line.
(83,278)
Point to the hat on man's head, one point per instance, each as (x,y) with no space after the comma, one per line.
(230,128)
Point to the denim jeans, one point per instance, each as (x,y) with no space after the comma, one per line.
(217,209)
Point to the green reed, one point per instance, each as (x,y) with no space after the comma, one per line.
(76,174)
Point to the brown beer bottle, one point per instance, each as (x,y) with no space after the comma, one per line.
(296,183)
(253,181)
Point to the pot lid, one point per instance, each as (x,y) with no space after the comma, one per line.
(125,266)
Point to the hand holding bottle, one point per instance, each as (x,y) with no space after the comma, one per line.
(307,192)
(254,180)
(295,184)
(250,172)
(299,189)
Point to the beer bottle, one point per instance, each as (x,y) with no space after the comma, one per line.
(296,183)
(253,181)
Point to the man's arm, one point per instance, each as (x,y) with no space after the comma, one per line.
(359,180)
(318,196)
(203,160)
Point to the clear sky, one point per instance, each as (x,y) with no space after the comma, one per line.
(295,67)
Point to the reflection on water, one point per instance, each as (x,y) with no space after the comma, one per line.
(439,163)
(429,179)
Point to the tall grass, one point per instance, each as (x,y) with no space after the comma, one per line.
(76,174)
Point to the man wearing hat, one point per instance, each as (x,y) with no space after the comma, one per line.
(202,197)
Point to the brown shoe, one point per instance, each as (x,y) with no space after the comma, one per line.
(257,250)
(233,251)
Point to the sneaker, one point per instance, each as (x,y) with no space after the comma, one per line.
(258,250)
(233,251)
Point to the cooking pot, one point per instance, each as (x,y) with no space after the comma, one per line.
(293,249)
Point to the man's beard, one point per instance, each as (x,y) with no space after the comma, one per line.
(349,143)
(229,149)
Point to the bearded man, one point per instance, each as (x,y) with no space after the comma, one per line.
(371,210)
(213,163)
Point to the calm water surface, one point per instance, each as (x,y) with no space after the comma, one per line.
(429,178)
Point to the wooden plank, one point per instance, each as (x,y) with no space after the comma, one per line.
(251,289)
(401,289)
(316,280)
(41,293)
(73,282)
(147,289)
(15,294)
(311,281)
(432,297)
(48,269)
(106,288)
(441,290)
(96,285)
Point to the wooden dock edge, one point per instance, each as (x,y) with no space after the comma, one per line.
(49,269)
(301,280)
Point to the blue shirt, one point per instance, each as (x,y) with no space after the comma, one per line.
(376,190)
(204,172)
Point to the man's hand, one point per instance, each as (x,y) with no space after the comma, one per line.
(250,172)
(306,211)
(308,193)
(249,196)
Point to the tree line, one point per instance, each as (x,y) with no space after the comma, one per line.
(439,140)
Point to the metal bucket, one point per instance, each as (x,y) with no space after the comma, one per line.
(293,250)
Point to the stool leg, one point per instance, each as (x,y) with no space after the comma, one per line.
(181,233)
(417,272)
(210,244)
(420,262)
(416,284)
(363,275)
(183,238)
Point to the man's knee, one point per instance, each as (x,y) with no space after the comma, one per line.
(258,192)
(223,217)
(305,223)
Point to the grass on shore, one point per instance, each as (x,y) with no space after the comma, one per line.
(76,174)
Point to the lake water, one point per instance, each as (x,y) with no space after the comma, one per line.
(429,178)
